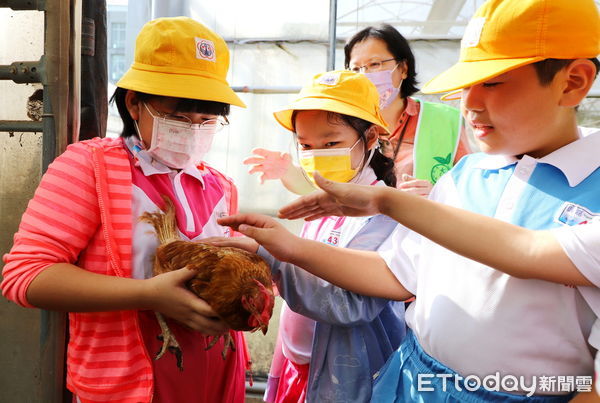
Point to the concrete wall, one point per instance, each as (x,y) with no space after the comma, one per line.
(21,36)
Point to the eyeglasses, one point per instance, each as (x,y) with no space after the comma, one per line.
(214,125)
(371,67)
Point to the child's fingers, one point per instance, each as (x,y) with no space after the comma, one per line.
(411,184)
(213,240)
(418,190)
(253,160)
(325,184)
(294,210)
(240,242)
(316,216)
(263,152)
(301,212)
(184,274)
(259,235)
(250,219)
(256,168)
(339,191)
(418,186)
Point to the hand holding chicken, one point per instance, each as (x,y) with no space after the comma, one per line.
(236,284)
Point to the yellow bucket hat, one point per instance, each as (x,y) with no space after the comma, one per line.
(179,57)
(506,34)
(340,91)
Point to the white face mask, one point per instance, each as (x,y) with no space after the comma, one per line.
(385,87)
(179,144)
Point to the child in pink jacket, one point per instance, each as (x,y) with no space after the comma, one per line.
(81,248)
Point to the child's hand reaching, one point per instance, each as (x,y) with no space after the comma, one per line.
(271,164)
(338,199)
(411,184)
(242,242)
(264,230)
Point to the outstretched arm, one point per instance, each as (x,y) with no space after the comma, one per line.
(322,301)
(310,295)
(514,250)
(363,272)
(277,165)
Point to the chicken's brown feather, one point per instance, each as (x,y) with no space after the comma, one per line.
(224,274)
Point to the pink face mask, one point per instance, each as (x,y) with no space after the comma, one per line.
(383,81)
(179,144)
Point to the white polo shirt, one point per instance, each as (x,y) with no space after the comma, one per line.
(479,321)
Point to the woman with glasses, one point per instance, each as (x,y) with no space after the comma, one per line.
(426,138)
(81,248)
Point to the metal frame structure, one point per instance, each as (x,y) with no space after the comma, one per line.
(57,71)
(52,71)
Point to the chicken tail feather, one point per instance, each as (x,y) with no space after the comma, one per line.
(164,222)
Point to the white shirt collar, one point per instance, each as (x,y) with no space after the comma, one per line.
(150,166)
(576,160)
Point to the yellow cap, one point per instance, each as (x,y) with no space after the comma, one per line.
(506,34)
(179,57)
(340,91)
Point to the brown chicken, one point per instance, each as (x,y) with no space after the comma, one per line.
(235,283)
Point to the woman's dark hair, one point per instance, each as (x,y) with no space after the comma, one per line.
(546,69)
(184,105)
(396,44)
(382,165)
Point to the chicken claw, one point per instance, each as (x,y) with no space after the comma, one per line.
(227,344)
(169,342)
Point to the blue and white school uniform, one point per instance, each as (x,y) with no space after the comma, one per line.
(474,320)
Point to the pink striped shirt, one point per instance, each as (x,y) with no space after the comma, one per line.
(81,214)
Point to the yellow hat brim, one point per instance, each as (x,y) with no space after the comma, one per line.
(179,86)
(452,95)
(465,74)
(284,116)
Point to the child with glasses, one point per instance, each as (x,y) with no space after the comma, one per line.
(81,247)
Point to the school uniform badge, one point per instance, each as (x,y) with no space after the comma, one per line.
(574,214)
(205,50)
